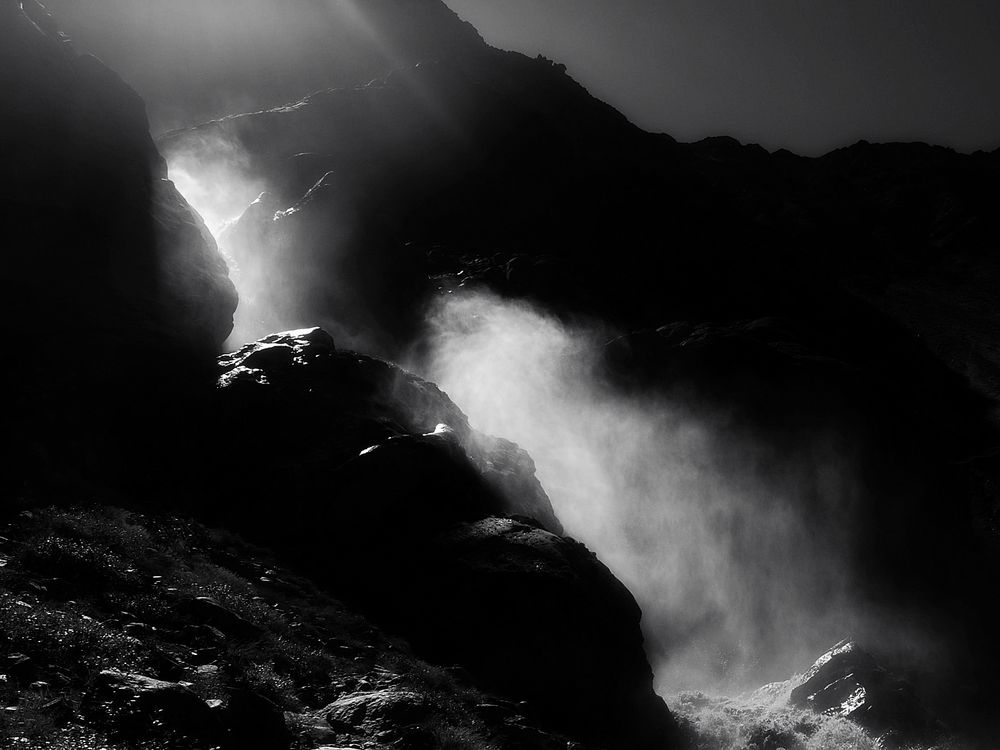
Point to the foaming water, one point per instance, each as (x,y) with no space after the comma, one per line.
(763,720)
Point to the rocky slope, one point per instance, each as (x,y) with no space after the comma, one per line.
(122,629)
(189,637)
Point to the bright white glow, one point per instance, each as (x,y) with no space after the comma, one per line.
(214,178)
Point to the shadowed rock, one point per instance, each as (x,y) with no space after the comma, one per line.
(106,267)
(105,245)
(139,708)
(206,610)
(253,721)
(537,617)
(365,429)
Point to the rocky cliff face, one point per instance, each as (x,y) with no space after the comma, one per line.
(107,265)
(105,244)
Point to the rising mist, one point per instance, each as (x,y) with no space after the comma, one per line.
(705,523)
(216,179)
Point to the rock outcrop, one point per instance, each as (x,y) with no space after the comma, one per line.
(388,494)
(848,682)
(356,424)
(104,249)
(538,617)
(106,266)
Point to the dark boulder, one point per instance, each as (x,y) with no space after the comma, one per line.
(848,682)
(20,668)
(375,439)
(253,721)
(536,617)
(379,710)
(135,708)
(207,611)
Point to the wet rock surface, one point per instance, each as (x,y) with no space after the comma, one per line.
(848,682)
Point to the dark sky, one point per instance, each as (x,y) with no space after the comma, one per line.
(808,74)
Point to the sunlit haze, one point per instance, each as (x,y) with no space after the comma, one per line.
(804,76)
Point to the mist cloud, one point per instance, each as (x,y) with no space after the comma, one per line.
(705,523)
(213,173)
